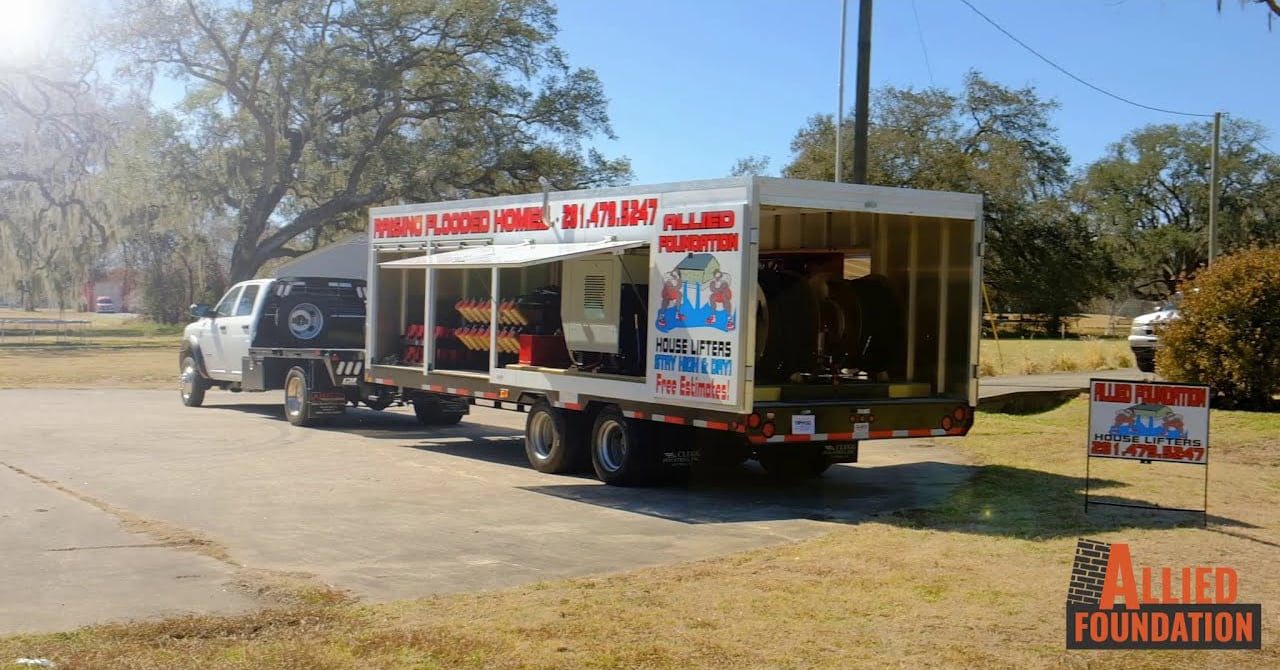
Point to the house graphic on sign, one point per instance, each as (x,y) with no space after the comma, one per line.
(1148,420)
(701,298)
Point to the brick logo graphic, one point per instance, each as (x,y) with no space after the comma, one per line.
(1112,606)
(1088,572)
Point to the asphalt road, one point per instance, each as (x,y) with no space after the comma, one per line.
(124,504)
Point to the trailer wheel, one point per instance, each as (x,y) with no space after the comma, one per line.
(553,440)
(620,454)
(190,384)
(793,462)
(429,413)
(297,398)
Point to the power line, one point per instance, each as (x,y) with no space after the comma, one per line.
(923,48)
(1265,148)
(1063,70)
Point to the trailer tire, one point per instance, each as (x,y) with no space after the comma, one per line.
(429,413)
(621,454)
(553,440)
(191,385)
(789,313)
(297,398)
(883,341)
(791,463)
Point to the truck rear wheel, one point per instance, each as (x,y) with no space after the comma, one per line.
(190,384)
(297,398)
(553,440)
(620,453)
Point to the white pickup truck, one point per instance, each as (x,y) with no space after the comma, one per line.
(302,335)
(1144,334)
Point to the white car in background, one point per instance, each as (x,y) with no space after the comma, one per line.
(1144,334)
(105,305)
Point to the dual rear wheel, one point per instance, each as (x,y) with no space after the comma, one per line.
(619,450)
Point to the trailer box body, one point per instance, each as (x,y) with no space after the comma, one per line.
(784,310)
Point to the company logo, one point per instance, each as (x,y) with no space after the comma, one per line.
(1110,605)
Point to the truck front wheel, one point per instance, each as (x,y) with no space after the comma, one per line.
(620,453)
(553,440)
(190,384)
(297,395)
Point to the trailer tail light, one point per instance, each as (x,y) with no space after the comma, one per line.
(753,421)
(768,430)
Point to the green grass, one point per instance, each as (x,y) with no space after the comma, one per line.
(105,334)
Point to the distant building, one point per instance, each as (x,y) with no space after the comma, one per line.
(348,258)
(117,284)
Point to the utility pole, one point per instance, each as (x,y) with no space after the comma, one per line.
(1213,187)
(863,104)
(844,11)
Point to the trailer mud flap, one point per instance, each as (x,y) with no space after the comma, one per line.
(841,452)
(327,403)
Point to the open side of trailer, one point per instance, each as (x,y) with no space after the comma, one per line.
(785,320)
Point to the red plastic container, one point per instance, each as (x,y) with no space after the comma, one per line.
(546,351)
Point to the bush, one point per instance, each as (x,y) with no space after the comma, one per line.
(1095,358)
(1228,335)
(1063,363)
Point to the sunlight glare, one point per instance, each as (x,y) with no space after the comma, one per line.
(26,26)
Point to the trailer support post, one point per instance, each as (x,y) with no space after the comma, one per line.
(944,279)
(493,322)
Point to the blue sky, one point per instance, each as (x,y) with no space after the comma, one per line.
(696,84)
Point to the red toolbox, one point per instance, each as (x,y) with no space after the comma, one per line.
(546,351)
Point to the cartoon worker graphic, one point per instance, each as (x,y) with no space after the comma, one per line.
(1124,422)
(670,297)
(721,297)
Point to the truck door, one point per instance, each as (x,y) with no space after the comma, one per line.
(236,331)
(211,330)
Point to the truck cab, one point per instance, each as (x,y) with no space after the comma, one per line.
(221,334)
(302,335)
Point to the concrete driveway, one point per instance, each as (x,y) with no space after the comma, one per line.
(124,504)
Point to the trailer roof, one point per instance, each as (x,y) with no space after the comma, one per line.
(770,191)
(511,255)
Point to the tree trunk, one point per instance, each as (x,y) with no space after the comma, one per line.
(244,265)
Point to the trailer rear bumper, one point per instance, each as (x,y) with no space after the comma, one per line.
(773,423)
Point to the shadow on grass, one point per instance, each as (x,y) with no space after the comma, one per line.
(1033,504)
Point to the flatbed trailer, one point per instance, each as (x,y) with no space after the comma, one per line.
(648,327)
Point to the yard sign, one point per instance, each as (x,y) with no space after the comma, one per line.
(1148,422)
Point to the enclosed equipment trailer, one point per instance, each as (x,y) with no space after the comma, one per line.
(643,328)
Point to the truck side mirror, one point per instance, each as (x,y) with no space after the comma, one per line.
(202,311)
